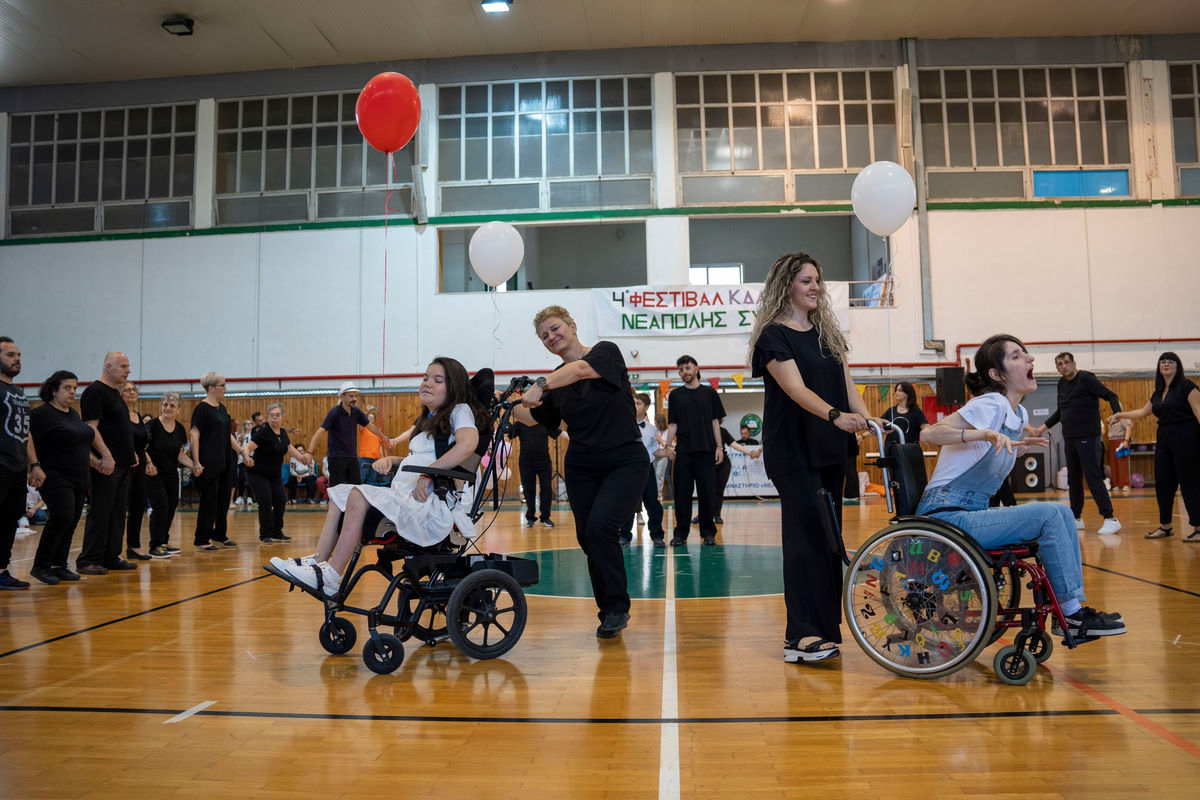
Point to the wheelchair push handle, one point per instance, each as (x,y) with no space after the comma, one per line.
(887,477)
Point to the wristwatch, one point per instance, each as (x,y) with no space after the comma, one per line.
(541,383)
(35,465)
(834,414)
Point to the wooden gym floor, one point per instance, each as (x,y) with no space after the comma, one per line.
(202,676)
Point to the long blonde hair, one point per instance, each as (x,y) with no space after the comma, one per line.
(775,303)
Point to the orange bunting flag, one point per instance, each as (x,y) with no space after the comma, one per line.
(664,388)
(738,377)
(861,388)
(716,382)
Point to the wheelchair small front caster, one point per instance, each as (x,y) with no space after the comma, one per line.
(1040,646)
(383,655)
(1014,667)
(338,636)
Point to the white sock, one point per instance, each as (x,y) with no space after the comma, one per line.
(1070,607)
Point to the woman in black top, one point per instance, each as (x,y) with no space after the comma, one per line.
(905,416)
(64,448)
(1176,403)
(810,412)
(213,448)
(136,509)
(167,436)
(605,467)
(263,456)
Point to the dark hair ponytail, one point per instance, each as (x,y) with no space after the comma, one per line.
(989,356)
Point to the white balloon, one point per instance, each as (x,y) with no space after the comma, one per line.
(496,251)
(883,196)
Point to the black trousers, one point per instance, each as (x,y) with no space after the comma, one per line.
(308,481)
(1177,465)
(654,509)
(694,469)
(268,491)
(1085,462)
(540,472)
(344,470)
(105,527)
(163,491)
(64,507)
(851,490)
(136,513)
(720,480)
(603,490)
(812,565)
(12,508)
(213,512)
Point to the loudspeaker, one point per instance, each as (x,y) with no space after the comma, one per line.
(951,391)
(1029,473)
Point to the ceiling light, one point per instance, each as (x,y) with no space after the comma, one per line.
(497,6)
(179,26)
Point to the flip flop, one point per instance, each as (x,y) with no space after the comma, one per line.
(1192,538)
(1160,533)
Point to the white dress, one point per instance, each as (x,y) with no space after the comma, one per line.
(425,523)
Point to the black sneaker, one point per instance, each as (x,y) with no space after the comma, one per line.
(266,540)
(7,581)
(91,569)
(612,624)
(547,523)
(659,542)
(44,575)
(625,540)
(135,555)
(208,548)
(64,574)
(709,539)
(676,541)
(529,523)
(159,551)
(121,565)
(172,550)
(226,543)
(280,537)
(1088,622)
(718,520)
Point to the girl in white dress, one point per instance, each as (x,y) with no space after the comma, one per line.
(450,411)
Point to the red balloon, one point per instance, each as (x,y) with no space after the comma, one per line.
(388,111)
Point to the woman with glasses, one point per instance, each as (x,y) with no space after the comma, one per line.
(165,454)
(213,450)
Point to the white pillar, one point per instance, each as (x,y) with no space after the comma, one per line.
(663,112)
(1150,139)
(206,162)
(668,251)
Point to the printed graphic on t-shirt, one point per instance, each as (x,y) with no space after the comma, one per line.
(16,416)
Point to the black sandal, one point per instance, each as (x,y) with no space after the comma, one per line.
(1193,537)
(1160,533)
(813,651)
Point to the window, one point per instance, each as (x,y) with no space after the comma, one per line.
(1185,92)
(563,143)
(101,169)
(771,123)
(715,274)
(981,127)
(302,157)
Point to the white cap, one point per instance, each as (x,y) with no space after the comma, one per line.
(347,386)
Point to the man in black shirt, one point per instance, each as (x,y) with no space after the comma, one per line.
(101,407)
(342,424)
(694,415)
(1079,392)
(14,460)
(746,439)
(536,469)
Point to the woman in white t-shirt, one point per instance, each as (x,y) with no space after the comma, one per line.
(451,414)
(980,443)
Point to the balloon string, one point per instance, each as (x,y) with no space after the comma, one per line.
(387,203)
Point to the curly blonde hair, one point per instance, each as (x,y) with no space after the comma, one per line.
(775,303)
(552,311)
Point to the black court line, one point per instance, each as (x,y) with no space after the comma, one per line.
(129,616)
(1142,580)
(977,715)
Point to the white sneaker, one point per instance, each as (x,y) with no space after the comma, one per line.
(241,501)
(1110,526)
(24,530)
(329,580)
(303,561)
(1079,523)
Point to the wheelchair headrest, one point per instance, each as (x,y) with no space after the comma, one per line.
(908,476)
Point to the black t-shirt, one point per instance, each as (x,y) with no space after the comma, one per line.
(1173,409)
(747,441)
(535,443)
(1078,406)
(692,412)
(793,439)
(102,402)
(213,424)
(163,448)
(14,412)
(909,422)
(141,437)
(599,412)
(343,430)
(63,441)
(269,452)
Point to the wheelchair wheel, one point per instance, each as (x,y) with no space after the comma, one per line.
(486,614)
(1014,667)
(1040,646)
(920,599)
(337,636)
(384,655)
(1008,594)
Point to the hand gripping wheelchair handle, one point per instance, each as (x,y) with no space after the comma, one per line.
(443,479)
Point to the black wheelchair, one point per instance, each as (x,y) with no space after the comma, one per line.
(450,590)
(923,599)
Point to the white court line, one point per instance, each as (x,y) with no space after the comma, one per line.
(668,747)
(193,710)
